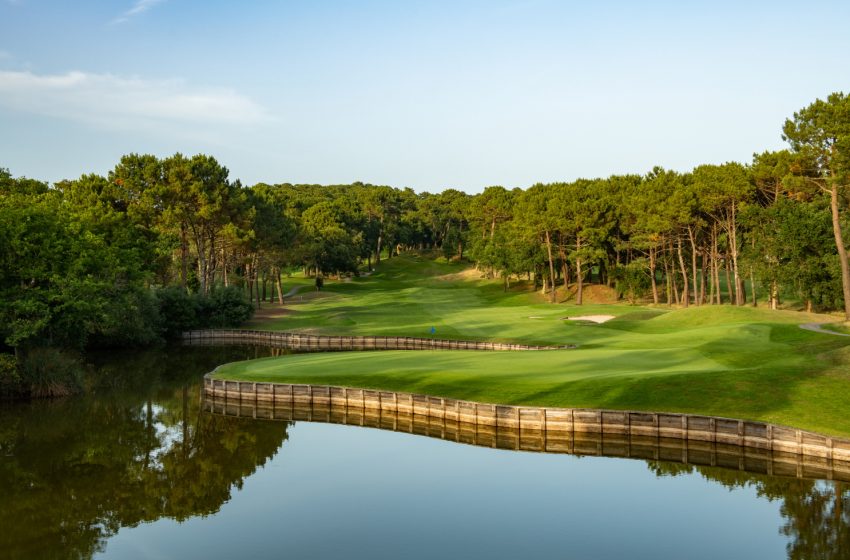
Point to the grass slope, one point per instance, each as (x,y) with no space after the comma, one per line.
(729,361)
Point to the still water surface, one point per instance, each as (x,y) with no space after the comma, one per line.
(138,470)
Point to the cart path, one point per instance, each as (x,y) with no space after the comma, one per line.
(818,327)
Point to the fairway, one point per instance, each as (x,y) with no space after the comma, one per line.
(728,361)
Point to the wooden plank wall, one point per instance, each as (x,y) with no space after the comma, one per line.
(692,439)
(312,342)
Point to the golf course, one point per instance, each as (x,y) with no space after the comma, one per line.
(734,361)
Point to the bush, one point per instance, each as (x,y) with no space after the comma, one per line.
(130,318)
(224,307)
(633,281)
(10,377)
(50,372)
(178,311)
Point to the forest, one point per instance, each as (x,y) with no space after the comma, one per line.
(161,245)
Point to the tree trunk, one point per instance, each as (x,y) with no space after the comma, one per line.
(249,282)
(566,270)
(652,265)
(733,247)
(685,295)
(255,267)
(378,245)
(669,280)
(692,239)
(551,266)
(279,287)
(184,257)
(774,295)
(753,287)
(202,276)
(715,268)
(728,279)
(842,250)
(579,275)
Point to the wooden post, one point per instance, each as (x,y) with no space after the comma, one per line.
(543,427)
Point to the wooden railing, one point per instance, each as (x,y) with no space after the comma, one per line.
(754,446)
(314,342)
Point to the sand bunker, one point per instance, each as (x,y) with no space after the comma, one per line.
(590,318)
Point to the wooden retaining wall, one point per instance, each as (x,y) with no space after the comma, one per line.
(324,343)
(700,440)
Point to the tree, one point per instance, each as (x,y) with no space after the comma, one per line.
(725,189)
(821,134)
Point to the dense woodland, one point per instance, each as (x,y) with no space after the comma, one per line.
(161,245)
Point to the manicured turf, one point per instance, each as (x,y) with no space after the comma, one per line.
(729,361)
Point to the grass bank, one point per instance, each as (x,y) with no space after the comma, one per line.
(739,362)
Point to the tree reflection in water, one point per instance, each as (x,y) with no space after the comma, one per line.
(815,511)
(73,472)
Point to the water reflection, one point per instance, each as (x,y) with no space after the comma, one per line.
(816,510)
(73,472)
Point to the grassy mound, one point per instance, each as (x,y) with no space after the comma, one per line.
(721,360)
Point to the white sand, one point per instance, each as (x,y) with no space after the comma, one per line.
(591,318)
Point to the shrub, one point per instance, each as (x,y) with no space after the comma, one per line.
(178,311)
(633,281)
(10,377)
(130,318)
(50,372)
(224,307)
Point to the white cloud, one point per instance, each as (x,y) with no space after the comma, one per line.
(139,7)
(116,102)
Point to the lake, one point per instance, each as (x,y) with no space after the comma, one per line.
(137,468)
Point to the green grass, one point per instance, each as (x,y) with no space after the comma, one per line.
(729,361)
(840,328)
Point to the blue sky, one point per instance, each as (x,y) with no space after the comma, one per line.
(429,95)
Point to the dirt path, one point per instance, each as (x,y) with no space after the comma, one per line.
(818,327)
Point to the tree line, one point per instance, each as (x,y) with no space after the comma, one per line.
(159,245)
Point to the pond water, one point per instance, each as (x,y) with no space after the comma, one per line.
(138,469)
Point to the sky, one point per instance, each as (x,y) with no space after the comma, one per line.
(429,95)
